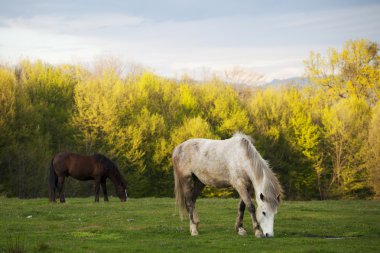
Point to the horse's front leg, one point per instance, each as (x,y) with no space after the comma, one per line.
(255,224)
(104,188)
(244,195)
(97,188)
(239,220)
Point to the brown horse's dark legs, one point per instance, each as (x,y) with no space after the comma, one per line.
(97,189)
(61,187)
(52,194)
(239,220)
(104,188)
(53,189)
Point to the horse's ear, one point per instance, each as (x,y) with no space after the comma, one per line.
(261,197)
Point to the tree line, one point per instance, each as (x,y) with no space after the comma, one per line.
(322,139)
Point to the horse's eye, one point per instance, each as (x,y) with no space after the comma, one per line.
(264,213)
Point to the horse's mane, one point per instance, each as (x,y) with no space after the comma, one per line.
(110,166)
(272,187)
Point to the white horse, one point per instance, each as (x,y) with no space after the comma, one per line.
(222,163)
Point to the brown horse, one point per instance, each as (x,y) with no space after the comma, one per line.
(95,167)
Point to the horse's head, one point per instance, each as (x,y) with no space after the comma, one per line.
(266,212)
(121,190)
(118,180)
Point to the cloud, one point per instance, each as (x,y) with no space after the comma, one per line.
(18,43)
(71,24)
(350,19)
(273,43)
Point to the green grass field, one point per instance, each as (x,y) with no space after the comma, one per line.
(153,225)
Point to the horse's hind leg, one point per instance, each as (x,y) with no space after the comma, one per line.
(104,188)
(53,189)
(190,197)
(239,220)
(61,186)
(197,190)
(97,189)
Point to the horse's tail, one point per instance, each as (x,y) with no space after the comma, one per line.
(52,182)
(178,186)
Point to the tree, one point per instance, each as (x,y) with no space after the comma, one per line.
(320,146)
(36,106)
(242,76)
(219,104)
(192,128)
(7,114)
(305,136)
(374,154)
(48,91)
(287,137)
(7,96)
(354,71)
(346,133)
(97,99)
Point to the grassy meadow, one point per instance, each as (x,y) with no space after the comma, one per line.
(153,225)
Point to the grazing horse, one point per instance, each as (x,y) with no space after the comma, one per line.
(94,167)
(222,163)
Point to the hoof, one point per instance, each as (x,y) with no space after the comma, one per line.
(194,233)
(241,231)
(259,234)
(193,229)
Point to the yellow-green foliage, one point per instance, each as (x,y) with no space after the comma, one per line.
(374,150)
(315,137)
(346,130)
(350,80)
(354,71)
(7,96)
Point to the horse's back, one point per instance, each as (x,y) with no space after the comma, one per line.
(65,157)
(78,166)
(205,150)
(212,161)
(60,159)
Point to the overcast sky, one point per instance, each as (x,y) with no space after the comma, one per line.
(173,37)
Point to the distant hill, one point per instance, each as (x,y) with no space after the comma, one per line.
(293,81)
